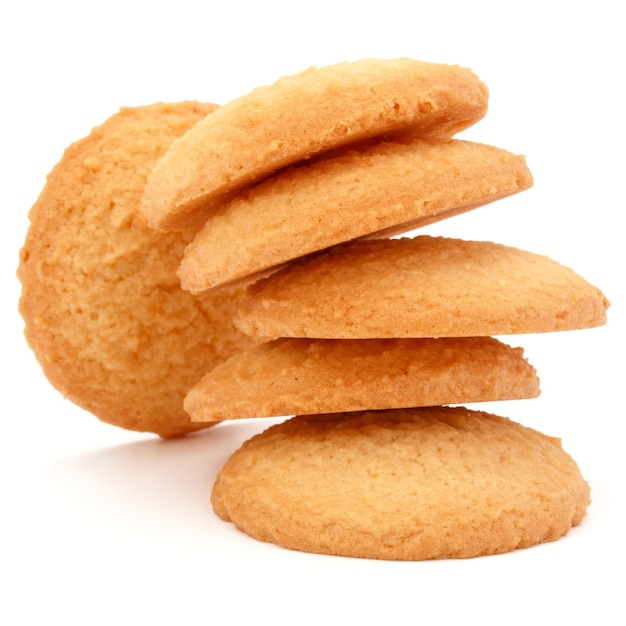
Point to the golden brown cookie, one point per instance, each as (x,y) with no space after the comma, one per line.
(302,115)
(408,484)
(389,186)
(102,305)
(420,287)
(298,376)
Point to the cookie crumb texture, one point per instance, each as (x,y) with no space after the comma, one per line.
(380,189)
(302,115)
(103,309)
(296,376)
(409,484)
(420,287)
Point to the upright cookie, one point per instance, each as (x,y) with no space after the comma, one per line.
(102,305)
(420,287)
(408,484)
(302,115)
(297,376)
(389,186)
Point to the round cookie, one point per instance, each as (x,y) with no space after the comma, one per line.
(102,305)
(420,287)
(391,186)
(408,484)
(297,376)
(299,116)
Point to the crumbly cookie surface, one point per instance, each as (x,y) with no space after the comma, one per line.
(103,308)
(389,186)
(301,376)
(420,287)
(409,484)
(299,116)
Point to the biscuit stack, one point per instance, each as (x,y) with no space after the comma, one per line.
(299,185)
(296,190)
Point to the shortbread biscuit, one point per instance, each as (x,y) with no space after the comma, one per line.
(103,308)
(388,187)
(420,287)
(408,484)
(300,116)
(298,376)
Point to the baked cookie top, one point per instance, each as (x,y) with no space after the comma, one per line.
(299,116)
(407,484)
(102,305)
(420,287)
(296,376)
(388,187)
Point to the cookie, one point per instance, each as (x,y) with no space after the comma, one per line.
(103,309)
(302,115)
(420,287)
(296,376)
(404,484)
(387,187)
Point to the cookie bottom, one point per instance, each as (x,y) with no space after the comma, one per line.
(405,484)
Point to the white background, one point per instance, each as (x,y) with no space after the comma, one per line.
(99,525)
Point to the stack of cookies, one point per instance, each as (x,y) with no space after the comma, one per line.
(299,185)
(243,258)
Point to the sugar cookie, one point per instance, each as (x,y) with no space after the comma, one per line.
(297,376)
(389,186)
(420,287)
(299,116)
(408,484)
(103,308)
